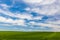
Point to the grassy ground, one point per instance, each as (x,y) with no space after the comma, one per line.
(29,35)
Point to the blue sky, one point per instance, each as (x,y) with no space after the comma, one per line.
(30,15)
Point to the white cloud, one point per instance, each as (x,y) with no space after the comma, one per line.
(5,6)
(39,2)
(33,1)
(14,22)
(54,26)
(22,16)
(46,10)
(54,22)
(37,18)
(10,22)
(48,7)
(17,15)
(27,16)
(27,9)
(44,2)
(51,9)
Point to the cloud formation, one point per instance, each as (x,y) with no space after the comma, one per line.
(39,2)
(39,15)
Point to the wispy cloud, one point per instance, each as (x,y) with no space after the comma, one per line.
(41,7)
(47,8)
(39,2)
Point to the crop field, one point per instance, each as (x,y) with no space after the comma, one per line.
(14,35)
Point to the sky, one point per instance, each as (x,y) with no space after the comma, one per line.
(30,15)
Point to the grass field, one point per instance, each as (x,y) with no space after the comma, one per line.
(5,35)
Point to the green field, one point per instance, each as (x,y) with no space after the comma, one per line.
(5,35)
